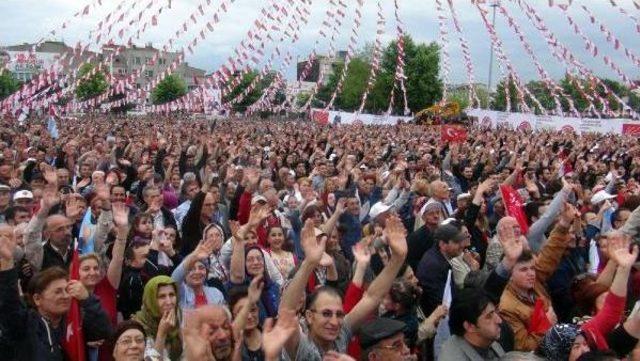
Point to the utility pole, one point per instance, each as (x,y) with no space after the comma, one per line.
(493,22)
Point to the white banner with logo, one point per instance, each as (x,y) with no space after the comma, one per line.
(524,121)
(338,117)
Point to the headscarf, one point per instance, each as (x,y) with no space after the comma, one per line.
(557,342)
(149,316)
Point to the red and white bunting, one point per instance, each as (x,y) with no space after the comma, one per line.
(549,83)
(353,41)
(466,54)
(400,63)
(443,40)
(375,60)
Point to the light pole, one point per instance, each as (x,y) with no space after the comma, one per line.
(493,23)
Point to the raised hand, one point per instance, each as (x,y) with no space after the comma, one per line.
(50,198)
(313,248)
(275,336)
(204,249)
(102,190)
(258,214)
(77,290)
(255,289)
(120,215)
(167,322)
(619,250)
(569,214)
(361,253)
(326,260)
(50,174)
(7,246)
(73,208)
(396,235)
(340,205)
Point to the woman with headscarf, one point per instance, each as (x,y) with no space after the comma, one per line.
(248,262)
(127,343)
(191,275)
(197,218)
(160,316)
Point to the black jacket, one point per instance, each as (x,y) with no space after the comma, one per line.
(32,337)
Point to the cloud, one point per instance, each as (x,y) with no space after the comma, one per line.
(30,20)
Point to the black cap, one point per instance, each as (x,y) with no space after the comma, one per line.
(449,230)
(379,329)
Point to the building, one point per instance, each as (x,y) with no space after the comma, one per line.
(25,63)
(321,64)
(134,58)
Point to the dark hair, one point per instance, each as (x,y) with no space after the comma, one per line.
(128,252)
(404,294)
(41,280)
(192,227)
(123,327)
(311,300)
(598,355)
(467,306)
(11,212)
(532,209)
(525,256)
(309,212)
(236,294)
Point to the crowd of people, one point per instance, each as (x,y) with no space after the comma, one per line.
(281,240)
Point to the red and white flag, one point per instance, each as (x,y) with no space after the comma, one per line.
(73,343)
(514,206)
(453,133)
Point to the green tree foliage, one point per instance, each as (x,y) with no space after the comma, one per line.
(424,87)
(499,101)
(169,89)
(253,96)
(8,84)
(93,86)
(460,95)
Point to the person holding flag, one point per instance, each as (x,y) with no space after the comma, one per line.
(40,332)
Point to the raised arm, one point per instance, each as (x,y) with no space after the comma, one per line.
(121,220)
(313,250)
(33,233)
(539,227)
(237,269)
(254,292)
(396,235)
(330,224)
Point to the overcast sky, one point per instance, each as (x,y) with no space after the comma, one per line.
(29,20)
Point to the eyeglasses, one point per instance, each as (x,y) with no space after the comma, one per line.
(128,342)
(328,314)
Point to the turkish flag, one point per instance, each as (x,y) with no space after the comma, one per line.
(514,206)
(539,323)
(453,133)
(73,343)
(630,129)
(321,117)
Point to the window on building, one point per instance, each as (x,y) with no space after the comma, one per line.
(137,60)
(148,73)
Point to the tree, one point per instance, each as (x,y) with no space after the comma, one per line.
(168,89)
(499,101)
(95,85)
(8,84)
(254,95)
(424,86)
(542,93)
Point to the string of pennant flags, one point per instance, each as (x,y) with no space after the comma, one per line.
(279,26)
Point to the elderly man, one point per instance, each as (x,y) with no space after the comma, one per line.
(55,230)
(383,339)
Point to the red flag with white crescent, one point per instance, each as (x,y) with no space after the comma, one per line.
(453,133)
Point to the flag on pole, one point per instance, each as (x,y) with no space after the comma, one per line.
(73,343)
(453,133)
(514,206)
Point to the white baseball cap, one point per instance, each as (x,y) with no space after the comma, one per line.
(601,196)
(22,194)
(378,209)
